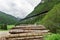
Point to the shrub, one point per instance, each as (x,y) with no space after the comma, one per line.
(52,37)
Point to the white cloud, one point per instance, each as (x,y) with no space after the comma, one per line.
(18,8)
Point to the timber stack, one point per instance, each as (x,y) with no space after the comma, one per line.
(27,32)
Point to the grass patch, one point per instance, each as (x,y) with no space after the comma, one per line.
(10,26)
(52,37)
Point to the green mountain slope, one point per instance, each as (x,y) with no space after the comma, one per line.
(46,6)
(52,19)
(8,19)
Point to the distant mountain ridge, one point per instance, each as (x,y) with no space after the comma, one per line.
(6,18)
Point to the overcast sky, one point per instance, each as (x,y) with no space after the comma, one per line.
(18,8)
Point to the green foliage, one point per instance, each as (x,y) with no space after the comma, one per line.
(7,19)
(46,6)
(8,27)
(32,20)
(3,27)
(52,37)
(52,19)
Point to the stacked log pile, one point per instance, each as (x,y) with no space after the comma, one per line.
(27,32)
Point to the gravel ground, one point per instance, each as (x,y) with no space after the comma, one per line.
(4,33)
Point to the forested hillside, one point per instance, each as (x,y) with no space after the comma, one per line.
(44,7)
(7,19)
(52,19)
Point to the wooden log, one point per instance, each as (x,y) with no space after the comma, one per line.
(17,31)
(25,39)
(29,28)
(37,27)
(23,35)
(28,38)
